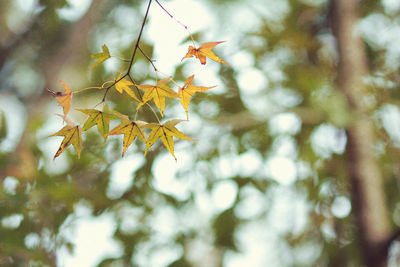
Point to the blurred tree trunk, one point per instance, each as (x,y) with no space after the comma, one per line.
(368,196)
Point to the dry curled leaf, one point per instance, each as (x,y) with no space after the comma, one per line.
(204,51)
(64,99)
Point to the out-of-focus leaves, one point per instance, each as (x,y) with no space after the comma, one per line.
(3,126)
(182,262)
(224,228)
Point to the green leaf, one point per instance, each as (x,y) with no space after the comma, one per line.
(99,118)
(101,57)
(3,126)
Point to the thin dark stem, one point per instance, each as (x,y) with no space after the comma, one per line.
(133,55)
(149,59)
(178,21)
(138,40)
(172,17)
(137,89)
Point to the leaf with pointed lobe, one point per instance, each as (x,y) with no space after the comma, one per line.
(99,118)
(123,85)
(204,51)
(130,130)
(158,93)
(165,132)
(187,91)
(72,135)
(101,57)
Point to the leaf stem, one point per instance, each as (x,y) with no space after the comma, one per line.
(87,88)
(155,113)
(120,58)
(178,21)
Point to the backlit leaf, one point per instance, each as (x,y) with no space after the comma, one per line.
(99,118)
(204,51)
(130,129)
(165,132)
(72,135)
(101,57)
(123,85)
(158,93)
(187,91)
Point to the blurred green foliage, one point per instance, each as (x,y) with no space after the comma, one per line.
(294,50)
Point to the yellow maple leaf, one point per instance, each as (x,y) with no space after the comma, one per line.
(187,91)
(101,57)
(130,129)
(72,135)
(204,51)
(165,132)
(157,92)
(64,99)
(123,85)
(99,118)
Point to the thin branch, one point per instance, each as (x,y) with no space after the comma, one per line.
(149,59)
(138,40)
(178,21)
(133,55)
(87,88)
(137,89)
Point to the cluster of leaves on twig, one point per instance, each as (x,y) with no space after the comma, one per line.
(125,83)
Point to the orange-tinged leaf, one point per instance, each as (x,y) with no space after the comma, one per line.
(130,129)
(187,91)
(165,132)
(205,50)
(72,135)
(64,99)
(123,85)
(101,57)
(158,93)
(99,118)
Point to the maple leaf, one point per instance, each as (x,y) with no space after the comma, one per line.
(101,57)
(64,99)
(187,91)
(72,135)
(99,118)
(165,132)
(123,85)
(130,129)
(158,93)
(204,51)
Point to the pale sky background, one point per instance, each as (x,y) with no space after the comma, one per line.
(259,245)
